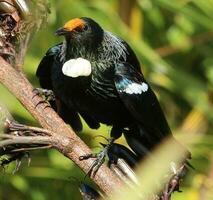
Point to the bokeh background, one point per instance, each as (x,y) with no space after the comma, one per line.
(174,43)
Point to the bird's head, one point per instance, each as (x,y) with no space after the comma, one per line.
(82,31)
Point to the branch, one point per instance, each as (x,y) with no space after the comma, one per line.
(66,141)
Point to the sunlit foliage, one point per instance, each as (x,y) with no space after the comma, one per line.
(174,42)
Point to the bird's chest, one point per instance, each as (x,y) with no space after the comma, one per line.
(69,88)
(85,92)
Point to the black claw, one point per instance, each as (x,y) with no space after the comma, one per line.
(96,164)
(48,95)
(40,102)
(100,158)
(36,93)
(87,156)
(96,167)
(35,90)
(47,106)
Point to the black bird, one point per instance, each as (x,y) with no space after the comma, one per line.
(96,74)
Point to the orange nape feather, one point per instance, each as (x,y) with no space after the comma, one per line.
(74,23)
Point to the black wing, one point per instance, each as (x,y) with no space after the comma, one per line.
(141,101)
(43,72)
(44,68)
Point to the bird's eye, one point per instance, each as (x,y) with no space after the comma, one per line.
(85,28)
(81,29)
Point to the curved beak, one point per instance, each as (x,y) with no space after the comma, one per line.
(62,31)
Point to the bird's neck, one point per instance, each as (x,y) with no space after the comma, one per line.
(111,49)
(71,51)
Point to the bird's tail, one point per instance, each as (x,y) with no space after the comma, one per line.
(143,143)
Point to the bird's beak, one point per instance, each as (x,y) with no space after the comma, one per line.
(62,31)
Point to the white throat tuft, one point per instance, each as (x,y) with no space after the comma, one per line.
(77,67)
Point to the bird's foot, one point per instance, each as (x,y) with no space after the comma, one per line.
(47,95)
(100,158)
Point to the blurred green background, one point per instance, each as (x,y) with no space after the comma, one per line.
(174,43)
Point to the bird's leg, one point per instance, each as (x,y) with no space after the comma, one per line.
(47,95)
(100,157)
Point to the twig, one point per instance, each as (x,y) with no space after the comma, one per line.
(25,140)
(13,126)
(31,148)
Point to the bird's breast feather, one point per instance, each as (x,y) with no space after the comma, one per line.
(77,67)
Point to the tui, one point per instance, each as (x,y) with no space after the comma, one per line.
(96,75)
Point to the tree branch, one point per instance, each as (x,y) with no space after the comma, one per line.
(65,141)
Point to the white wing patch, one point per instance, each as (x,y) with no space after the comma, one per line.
(135,88)
(77,67)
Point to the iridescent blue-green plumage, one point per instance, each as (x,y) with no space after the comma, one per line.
(115,93)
